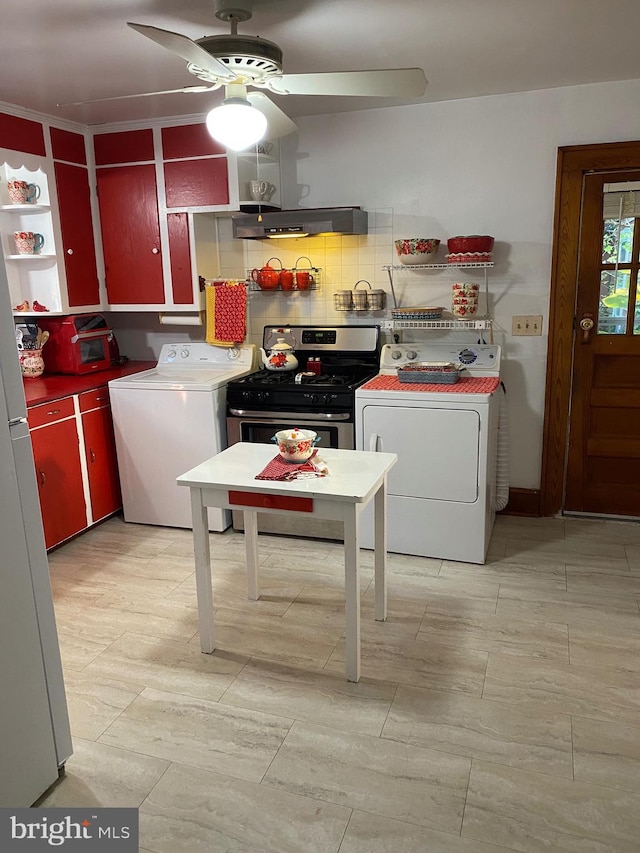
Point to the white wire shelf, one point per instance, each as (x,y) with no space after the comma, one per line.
(471,265)
(483,323)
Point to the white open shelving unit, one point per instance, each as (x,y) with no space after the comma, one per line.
(470,324)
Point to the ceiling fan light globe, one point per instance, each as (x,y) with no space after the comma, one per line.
(236,124)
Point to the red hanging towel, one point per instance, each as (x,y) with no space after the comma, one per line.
(226,304)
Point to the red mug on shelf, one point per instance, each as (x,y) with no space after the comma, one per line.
(303,278)
(267,278)
(286,280)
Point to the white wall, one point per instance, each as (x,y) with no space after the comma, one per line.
(480,166)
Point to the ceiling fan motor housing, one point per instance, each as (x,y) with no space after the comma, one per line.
(231,10)
(247,56)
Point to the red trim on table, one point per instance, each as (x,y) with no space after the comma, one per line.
(288,502)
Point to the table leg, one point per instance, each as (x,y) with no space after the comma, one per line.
(380,554)
(352,592)
(251,546)
(202,556)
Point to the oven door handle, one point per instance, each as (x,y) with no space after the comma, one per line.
(83,336)
(301,416)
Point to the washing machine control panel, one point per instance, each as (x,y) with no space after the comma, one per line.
(201,354)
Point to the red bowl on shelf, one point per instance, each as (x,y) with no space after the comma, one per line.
(475,243)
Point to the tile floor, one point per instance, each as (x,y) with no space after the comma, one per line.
(499,708)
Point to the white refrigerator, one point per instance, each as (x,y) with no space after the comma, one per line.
(35,740)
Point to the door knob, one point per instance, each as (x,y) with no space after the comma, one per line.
(586,324)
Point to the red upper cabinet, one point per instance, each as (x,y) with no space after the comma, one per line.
(130,227)
(21,134)
(188,140)
(74,202)
(68,146)
(128,146)
(190,182)
(196,183)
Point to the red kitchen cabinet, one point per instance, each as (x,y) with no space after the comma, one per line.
(196,183)
(180,257)
(128,200)
(100,451)
(21,134)
(125,146)
(76,223)
(56,453)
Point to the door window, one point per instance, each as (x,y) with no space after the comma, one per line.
(619,304)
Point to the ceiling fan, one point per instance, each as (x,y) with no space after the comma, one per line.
(238,61)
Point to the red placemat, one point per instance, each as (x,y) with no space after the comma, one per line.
(466,385)
(278,469)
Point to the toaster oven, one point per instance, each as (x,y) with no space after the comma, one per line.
(78,343)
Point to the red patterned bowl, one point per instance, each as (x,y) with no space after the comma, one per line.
(416,250)
(472,243)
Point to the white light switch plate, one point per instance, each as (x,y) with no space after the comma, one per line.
(527,325)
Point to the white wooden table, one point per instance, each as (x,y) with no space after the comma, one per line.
(228,481)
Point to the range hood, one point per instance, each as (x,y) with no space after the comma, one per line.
(299,223)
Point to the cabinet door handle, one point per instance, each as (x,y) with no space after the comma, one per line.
(155,250)
(53,412)
(69,251)
(43,478)
(92,455)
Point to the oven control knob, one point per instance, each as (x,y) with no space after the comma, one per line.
(327,398)
(184,352)
(312,398)
(411,354)
(262,396)
(246,395)
(171,355)
(396,354)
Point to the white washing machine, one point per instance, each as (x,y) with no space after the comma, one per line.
(169,419)
(442,492)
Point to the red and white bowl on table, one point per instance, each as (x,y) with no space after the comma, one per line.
(296,445)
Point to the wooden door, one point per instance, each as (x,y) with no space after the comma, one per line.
(76,223)
(603,462)
(130,226)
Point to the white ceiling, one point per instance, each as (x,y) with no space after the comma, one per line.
(57,51)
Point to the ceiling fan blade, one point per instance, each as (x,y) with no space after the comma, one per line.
(279,124)
(187,90)
(184,47)
(388,83)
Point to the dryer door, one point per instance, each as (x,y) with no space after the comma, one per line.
(438,450)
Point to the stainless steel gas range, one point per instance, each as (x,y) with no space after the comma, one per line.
(260,404)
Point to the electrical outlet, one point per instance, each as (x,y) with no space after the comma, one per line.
(527,325)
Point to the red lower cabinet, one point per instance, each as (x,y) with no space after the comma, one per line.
(75,461)
(100,452)
(56,454)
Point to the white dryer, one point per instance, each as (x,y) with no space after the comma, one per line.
(169,419)
(442,492)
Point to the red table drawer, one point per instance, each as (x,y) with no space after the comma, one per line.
(293,503)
